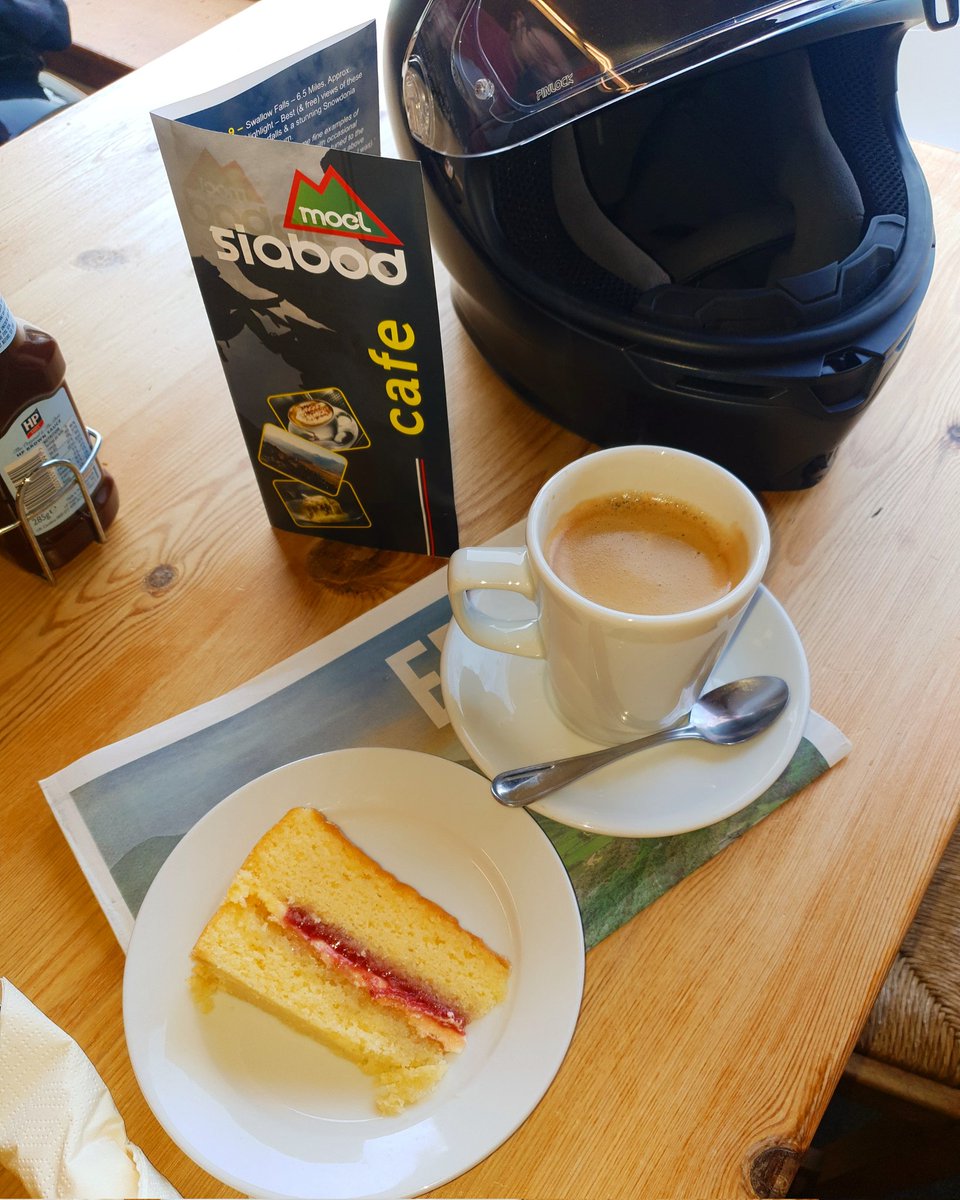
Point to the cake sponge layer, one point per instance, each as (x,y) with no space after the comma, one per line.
(305,861)
(241,953)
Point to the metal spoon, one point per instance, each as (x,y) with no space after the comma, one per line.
(725,716)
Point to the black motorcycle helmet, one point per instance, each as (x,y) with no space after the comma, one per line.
(696,224)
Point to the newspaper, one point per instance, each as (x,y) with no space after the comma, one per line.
(375,682)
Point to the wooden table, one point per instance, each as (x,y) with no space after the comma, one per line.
(104,48)
(715,1024)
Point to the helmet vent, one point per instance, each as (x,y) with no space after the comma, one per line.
(725,389)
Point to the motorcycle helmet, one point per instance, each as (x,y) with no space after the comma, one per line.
(697,224)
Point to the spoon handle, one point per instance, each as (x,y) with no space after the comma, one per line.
(520,786)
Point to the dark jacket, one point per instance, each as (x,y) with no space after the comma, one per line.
(33,25)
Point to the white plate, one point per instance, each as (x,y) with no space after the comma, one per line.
(502,712)
(270,1112)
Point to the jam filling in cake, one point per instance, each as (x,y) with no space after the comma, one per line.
(381,981)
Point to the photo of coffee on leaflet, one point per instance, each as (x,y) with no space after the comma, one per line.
(312,255)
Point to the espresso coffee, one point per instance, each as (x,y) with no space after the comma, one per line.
(646,553)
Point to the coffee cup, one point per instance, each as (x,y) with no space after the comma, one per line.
(639,562)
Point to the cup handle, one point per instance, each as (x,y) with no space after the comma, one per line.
(498,568)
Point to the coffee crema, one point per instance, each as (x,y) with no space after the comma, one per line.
(311,413)
(645,553)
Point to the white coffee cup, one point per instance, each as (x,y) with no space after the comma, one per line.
(613,675)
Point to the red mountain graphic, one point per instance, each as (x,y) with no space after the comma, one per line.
(332,206)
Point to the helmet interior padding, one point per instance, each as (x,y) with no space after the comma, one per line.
(739,182)
(742,180)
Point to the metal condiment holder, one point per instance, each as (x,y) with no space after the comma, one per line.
(23,513)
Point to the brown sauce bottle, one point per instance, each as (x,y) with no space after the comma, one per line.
(38,421)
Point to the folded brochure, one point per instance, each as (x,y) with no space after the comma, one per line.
(313,259)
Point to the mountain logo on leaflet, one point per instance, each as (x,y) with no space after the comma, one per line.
(332,206)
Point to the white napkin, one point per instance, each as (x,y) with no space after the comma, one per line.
(59,1129)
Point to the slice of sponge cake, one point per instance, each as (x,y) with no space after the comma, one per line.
(316,932)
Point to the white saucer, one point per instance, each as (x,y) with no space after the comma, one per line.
(273,1114)
(502,712)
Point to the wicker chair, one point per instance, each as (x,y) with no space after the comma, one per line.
(905,1072)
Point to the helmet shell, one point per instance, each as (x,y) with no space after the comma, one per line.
(730,261)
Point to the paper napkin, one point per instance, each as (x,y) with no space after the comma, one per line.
(59,1129)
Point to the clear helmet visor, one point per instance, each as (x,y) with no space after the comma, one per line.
(483,75)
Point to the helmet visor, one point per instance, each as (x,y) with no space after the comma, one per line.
(483,75)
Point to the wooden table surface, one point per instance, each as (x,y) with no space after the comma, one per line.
(716,1023)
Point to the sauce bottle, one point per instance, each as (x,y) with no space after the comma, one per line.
(39,421)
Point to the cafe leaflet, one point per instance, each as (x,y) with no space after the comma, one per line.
(312,255)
